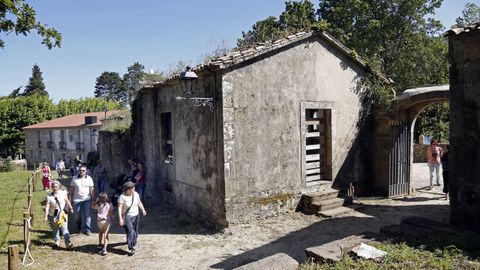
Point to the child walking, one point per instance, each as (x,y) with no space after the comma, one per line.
(104,220)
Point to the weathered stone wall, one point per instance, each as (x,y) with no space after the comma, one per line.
(262,122)
(464,58)
(192,183)
(115,149)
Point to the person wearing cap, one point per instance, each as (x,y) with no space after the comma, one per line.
(82,193)
(129,204)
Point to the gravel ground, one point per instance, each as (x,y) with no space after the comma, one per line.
(167,241)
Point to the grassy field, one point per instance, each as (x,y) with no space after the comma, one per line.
(13,202)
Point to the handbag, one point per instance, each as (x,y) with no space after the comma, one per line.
(61,217)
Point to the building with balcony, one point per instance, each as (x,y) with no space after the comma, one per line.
(71,135)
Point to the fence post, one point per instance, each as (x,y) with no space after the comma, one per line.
(33,181)
(29,185)
(13,258)
(26,240)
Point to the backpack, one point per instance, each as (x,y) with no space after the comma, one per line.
(114,197)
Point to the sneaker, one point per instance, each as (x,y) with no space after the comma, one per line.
(70,245)
(132,252)
(88,233)
(57,243)
(103,252)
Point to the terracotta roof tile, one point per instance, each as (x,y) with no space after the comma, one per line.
(238,55)
(73,120)
(466,29)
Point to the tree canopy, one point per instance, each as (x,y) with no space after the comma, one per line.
(108,85)
(16,16)
(298,16)
(470,15)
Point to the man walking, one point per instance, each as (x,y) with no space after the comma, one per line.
(82,194)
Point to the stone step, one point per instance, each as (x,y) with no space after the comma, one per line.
(336,212)
(328,204)
(335,250)
(316,197)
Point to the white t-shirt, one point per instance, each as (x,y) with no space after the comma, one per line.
(81,188)
(61,195)
(127,201)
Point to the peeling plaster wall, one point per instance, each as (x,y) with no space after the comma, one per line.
(194,176)
(261,124)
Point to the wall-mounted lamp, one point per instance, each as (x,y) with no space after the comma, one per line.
(188,82)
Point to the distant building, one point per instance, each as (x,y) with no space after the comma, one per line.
(71,135)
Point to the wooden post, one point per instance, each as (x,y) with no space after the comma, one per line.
(30,185)
(33,181)
(13,258)
(26,241)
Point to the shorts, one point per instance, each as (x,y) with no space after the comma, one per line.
(103,225)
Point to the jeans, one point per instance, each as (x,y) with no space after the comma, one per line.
(435,167)
(141,191)
(131,228)
(82,214)
(101,185)
(56,231)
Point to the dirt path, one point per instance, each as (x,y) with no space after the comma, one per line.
(169,242)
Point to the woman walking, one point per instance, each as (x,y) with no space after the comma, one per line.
(129,204)
(46,176)
(434,153)
(56,201)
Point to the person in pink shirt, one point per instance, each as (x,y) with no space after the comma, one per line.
(104,220)
(434,154)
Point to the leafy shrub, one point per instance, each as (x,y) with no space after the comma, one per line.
(6,165)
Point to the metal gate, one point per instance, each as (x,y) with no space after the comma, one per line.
(399,159)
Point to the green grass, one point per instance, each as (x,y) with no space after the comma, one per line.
(13,202)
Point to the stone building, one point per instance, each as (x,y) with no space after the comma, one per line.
(71,135)
(464,59)
(278,120)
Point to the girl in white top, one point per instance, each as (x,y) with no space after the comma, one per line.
(104,220)
(129,204)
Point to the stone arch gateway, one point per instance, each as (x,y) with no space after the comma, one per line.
(393,140)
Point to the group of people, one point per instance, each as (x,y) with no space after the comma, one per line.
(81,198)
(438,161)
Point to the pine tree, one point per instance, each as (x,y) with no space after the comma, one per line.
(35,83)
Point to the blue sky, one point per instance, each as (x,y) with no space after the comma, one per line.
(110,35)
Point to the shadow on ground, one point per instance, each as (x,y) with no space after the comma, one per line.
(325,231)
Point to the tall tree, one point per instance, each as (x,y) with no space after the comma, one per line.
(107,85)
(16,16)
(394,36)
(131,83)
(298,16)
(470,14)
(35,83)
(15,92)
